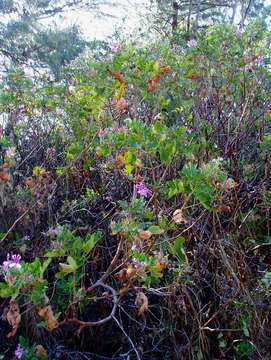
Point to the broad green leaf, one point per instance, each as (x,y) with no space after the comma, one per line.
(155,230)
(177,248)
(72,263)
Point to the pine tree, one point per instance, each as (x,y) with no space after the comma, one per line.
(29,36)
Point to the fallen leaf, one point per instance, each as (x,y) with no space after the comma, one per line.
(13,317)
(142,302)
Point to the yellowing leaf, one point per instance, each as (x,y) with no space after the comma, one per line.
(120,92)
(65,268)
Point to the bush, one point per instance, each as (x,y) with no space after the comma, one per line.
(137,193)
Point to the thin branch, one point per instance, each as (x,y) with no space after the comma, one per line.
(86,324)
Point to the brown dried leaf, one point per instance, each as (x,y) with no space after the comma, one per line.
(13,317)
(142,302)
(152,83)
(120,161)
(40,351)
(121,275)
(117,75)
(5,176)
(47,314)
(144,235)
(121,105)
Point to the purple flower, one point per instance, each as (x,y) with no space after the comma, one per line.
(143,190)
(54,231)
(16,258)
(136,246)
(19,352)
(104,132)
(25,238)
(136,264)
(12,262)
(71,89)
(115,48)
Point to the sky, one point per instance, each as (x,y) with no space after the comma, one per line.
(128,13)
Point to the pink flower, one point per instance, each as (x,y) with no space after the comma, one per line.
(54,231)
(192,43)
(71,89)
(19,352)
(104,132)
(12,262)
(137,264)
(115,48)
(143,190)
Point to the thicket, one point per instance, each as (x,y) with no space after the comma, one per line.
(135,203)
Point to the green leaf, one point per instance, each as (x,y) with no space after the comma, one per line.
(44,266)
(177,248)
(55,253)
(174,187)
(6,291)
(91,242)
(167,152)
(155,230)
(72,263)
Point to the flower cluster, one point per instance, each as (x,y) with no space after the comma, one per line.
(138,265)
(54,232)
(143,190)
(12,263)
(19,352)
